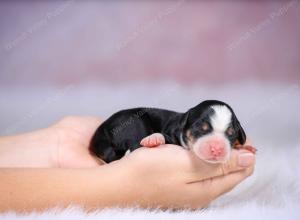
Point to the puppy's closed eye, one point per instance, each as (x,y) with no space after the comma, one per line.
(204,126)
(230,131)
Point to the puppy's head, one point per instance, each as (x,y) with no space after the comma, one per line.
(211,129)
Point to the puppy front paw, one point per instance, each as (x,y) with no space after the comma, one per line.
(153,140)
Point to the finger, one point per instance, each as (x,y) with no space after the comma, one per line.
(86,161)
(248,141)
(246,147)
(222,184)
(212,188)
(239,160)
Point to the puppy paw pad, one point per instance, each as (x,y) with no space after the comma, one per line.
(153,140)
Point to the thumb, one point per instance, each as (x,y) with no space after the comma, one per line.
(226,176)
(222,184)
(239,160)
(221,178)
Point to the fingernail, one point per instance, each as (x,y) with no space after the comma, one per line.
(245,159)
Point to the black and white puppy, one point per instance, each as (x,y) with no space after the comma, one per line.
(209,129)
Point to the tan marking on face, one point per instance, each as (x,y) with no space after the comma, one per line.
(190,139)
(204,126)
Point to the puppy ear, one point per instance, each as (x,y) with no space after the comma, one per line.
(184,121)
(241,133)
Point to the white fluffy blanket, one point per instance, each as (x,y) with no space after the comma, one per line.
(269,113)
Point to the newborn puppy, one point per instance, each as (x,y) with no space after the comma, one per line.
(210,130)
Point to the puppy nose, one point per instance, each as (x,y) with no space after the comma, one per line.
(216,149)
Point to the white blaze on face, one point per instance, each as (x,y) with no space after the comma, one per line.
(221,118)
(220,121)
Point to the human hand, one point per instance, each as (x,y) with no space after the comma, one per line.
(167,176)
(64,144)
(74,134)
(164,177)
(171,177)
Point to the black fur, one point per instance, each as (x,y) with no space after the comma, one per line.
(125,129)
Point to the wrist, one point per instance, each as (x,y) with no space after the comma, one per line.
(34,149)
(112,187)
(129,187)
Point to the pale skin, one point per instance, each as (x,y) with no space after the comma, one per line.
(38,172)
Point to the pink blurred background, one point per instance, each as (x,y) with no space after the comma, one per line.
(72,41)
(96,57)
